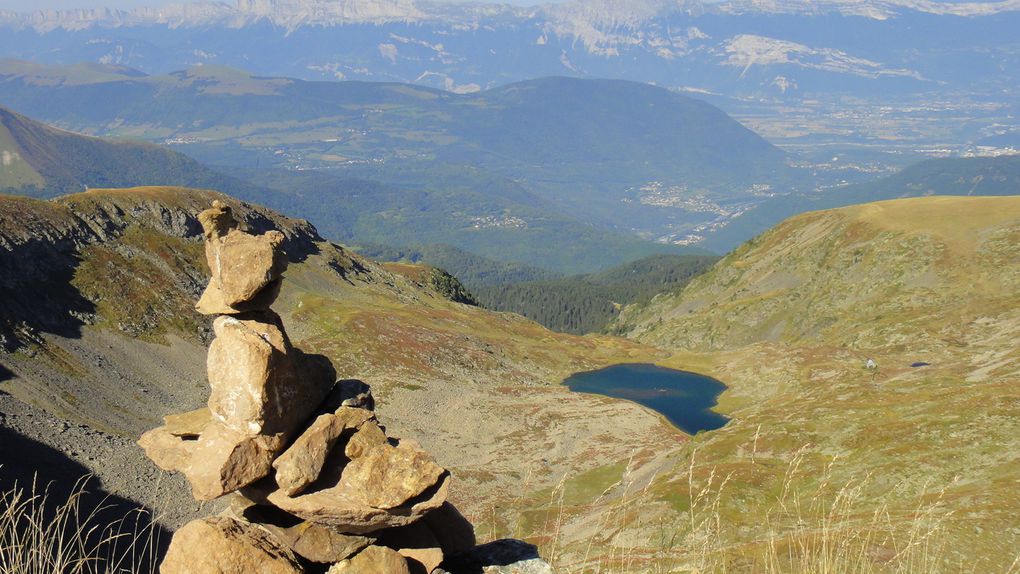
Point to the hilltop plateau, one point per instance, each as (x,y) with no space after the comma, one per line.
(823,449)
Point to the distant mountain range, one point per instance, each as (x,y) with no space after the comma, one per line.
(771,48)
(41,161)
(574,158)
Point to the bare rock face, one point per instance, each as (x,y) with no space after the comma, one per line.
(260,384)
(214,300)
(373,560)
(368,437)
(188,425)
(220,545)
(246,364)
(217,221)
(421,560)
(301,464)
(168,451)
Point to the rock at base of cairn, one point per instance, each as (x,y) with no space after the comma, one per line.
(223,545)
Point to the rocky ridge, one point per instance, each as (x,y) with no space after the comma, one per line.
(314,479)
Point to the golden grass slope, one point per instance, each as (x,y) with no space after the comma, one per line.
(825,458)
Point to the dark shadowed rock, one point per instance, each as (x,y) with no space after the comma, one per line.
(318,543)
(505,556)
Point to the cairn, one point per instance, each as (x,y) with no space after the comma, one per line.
(316,484)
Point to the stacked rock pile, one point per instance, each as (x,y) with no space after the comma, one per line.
(316,484)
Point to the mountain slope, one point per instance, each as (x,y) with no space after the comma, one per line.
(945,176)
(101,339)
(622,157)
(926,288)
(504,221)
(45,162)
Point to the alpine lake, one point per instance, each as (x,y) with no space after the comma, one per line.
(685,399)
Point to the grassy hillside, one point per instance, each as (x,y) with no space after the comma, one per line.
(974,176)
(827,453)
(41,161)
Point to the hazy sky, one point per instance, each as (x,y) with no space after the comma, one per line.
(28,5)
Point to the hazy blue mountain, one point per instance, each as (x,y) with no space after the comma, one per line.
(41,161)
(471,269)
(616,156)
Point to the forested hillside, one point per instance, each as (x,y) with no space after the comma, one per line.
(587,303)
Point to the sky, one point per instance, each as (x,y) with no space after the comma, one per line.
(30,5)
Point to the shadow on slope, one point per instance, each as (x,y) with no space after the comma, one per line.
(119,529)
(37,293)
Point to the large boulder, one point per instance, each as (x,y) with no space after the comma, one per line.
(221,545)
(260,384)
(246,366)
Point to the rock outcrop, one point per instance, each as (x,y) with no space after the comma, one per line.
(317,484)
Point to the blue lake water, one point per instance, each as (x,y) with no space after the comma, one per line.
(685,399)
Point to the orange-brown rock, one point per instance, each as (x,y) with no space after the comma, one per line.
(246,366)
(387,477)
(170,452)
(344,510)
(301,464)
(214,300)
(318,543)
(368,437)
(372,560)
(422,560)
(189,424)
(217,221)
(225,459)
(221,545)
